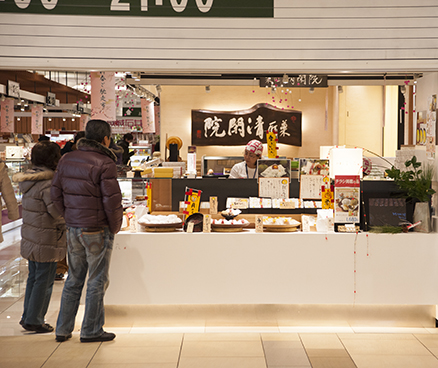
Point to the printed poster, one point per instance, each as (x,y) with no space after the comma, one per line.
(7,118)
(103,96)
(274,187)
(273,168)
(431,127)
(147,116)
(347,198)
(37,119)
(310,186)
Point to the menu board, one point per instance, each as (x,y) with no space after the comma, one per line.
(310,186)
(274,187)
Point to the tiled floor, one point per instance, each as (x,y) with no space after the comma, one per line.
(192,337)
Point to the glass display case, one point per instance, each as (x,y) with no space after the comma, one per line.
(220,165)
(142,154)
(15,166)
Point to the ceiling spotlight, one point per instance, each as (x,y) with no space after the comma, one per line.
(158,88)
(340,89)
(285,79)
(207,89)
(311,89)
(273,89)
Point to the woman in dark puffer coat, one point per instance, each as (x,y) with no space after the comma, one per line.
(43,237)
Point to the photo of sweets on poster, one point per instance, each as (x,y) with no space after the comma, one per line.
(273,168)
(347,204)
(310,166)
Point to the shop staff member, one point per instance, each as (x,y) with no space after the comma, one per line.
(247,168)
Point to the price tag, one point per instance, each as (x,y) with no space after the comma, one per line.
(213,205)
(190,226)
(259,223)
(206,228)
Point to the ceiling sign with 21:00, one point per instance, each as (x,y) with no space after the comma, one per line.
(154,8)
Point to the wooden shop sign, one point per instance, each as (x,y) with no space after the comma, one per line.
(236,128)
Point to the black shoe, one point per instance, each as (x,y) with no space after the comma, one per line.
(63,338)
(106,336)
(59,277)
(26,327)
(44,328)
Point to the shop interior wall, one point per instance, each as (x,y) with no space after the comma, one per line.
(177,102)
(361,119)
(23,125)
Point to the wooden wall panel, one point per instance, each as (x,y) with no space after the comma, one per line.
(23,126)
(365,36)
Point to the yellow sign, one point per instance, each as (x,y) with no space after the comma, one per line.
(192,200)
(327,199)
(149,196)
(271,139)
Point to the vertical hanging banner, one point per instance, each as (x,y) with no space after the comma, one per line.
(149,196)
(103,96)
(83,120)
(37,119)
(347,198)
(7,118)
(192,199)
(271,139)
(157,119)
(147,116)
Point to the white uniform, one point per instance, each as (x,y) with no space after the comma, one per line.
(242,171)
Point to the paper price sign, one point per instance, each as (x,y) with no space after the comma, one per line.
(192,199)
(213,205)
(207,224)
(259,223)
(271,139)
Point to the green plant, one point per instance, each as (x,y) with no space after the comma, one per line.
(387,229)
(414,182)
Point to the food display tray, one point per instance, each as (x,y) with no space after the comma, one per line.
(156,228)
(224,228)
(280,228)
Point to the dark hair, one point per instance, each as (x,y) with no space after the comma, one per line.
(46,154)
(43,138)
(79,135)
(97,130)
(128,136)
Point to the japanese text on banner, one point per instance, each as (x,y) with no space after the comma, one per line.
(192,199)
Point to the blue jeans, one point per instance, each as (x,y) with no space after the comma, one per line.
(89,250)
(38,291)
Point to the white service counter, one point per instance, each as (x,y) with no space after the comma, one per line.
(273,268)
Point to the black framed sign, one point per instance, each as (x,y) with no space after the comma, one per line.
(235,128)
(13,89)
(145,8)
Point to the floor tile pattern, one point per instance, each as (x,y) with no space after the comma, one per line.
(192,337)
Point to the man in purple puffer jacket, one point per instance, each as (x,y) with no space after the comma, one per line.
(86,192)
